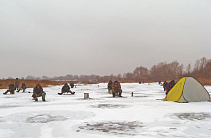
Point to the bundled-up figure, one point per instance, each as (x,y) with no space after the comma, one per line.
(16,84)
(116,88)
(38,92)
(72,85)
(11,89)
(66,89)
(23,87)
(110,87)
(165,85)
(170,86)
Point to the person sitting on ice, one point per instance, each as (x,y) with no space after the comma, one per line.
(66,89)
(23,87)
(38,92)
(116,88)
(171,84)
(72,85)
(11,89)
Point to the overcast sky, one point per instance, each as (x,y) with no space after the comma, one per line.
(102,37)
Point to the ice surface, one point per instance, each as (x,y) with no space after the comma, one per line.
(102,116)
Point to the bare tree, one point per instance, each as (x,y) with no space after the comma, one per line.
(188,69)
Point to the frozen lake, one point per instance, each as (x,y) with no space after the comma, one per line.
(102,116)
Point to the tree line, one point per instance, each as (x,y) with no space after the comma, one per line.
(160,72)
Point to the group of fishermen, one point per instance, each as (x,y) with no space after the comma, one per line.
(13,87)
(168,86)
(114,88)
(38,90)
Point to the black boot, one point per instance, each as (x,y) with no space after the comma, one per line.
(43,97)
(113,94)
(6,92)
(120,95)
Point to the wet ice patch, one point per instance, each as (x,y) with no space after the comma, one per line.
(89,99)
(193,116)
(48,116)
(10,96)
(44,118)
(8,106)
(5,133)
(114,128)
(1,119)
(142,96)
(110,106)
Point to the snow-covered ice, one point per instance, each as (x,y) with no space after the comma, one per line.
(71,116)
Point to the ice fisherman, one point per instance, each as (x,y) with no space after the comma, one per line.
(16,84)
(38,92)
(164,85)
(11,89)
(116,88)
(66,89)
(72,85)
(110,86)
(23,87)
(170,86)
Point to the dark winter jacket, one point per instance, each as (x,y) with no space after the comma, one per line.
(165,84)
(65,88)
(171,84)
(17,83)
(116,87)
(110,85)
(38,91)
(23,86)
(12,87)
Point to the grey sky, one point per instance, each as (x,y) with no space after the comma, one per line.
(102,37)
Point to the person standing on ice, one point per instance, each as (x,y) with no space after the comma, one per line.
(110,86)
(116,88)
(38,92)
(164,85)
(66,89)
(11,89)
(16,84)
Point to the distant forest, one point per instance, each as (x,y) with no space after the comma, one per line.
(160,72)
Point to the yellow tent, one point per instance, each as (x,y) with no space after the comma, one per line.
(186,90)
